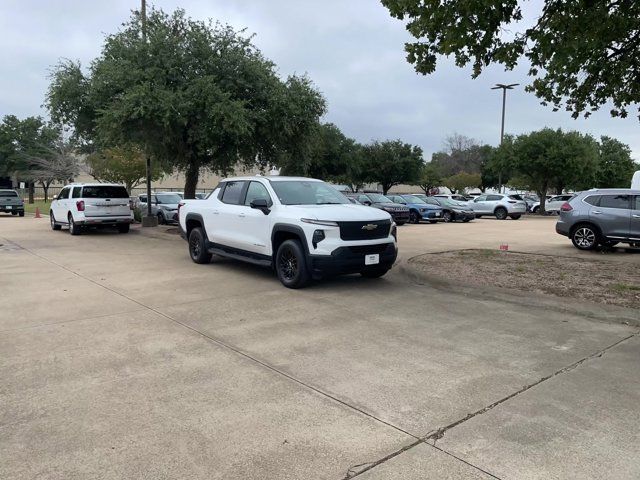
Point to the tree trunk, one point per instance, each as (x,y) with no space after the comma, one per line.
(31,192)
(192,175)
(45,187)
(543,199)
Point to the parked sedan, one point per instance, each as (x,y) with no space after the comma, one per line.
(163,204)
(418,208)
(453,211)
(399,213)
(10,202)
(499,204)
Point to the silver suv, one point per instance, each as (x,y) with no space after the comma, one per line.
(601,217)
(500,205)
(164,205)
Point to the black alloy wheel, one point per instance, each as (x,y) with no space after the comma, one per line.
(291,266)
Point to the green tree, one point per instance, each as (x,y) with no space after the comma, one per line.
(391,163)
(329,155)
(461,181)
(581,53)
(497,164)
(125,165)
(195,94)
(428,178)
(24,145)
(551,158)
(615,166)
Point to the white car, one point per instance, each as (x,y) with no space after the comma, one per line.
(302,228)
(83,205)
(454,197)
(553,204)
(499,205)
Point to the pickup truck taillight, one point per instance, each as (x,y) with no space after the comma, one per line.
(180,205)
(80,205)
(130,204)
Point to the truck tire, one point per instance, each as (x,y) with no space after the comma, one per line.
(197,247)
(291,265)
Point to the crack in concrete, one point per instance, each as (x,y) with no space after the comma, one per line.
(440,432)
(435,435)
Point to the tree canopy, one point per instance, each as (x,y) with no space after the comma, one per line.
(392,162)
(581,53)
(615,165)
(195,94)
(553,158)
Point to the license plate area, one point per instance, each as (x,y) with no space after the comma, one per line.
(372,259)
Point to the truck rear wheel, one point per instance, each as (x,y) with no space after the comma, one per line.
(291,265)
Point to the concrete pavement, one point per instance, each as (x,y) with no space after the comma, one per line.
(123,359)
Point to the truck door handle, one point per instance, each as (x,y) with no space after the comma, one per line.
(636,216)
(241,215)
(216,212)
(596,212)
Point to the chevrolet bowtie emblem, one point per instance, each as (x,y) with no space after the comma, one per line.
(369,226)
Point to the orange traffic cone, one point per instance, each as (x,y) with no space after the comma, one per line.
(38,213)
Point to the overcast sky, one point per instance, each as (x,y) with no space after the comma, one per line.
(353,51)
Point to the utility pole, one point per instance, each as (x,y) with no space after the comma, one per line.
(148,220)
(504,89)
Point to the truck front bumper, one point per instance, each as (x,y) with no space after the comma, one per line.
(345,260)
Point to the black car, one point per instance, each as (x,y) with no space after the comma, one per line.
(451,210)
(399,213)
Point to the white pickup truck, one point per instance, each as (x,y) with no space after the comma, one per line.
(302,228)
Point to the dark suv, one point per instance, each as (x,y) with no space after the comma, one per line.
(399,213)
(601,217)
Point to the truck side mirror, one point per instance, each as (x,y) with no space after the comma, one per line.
(260,204)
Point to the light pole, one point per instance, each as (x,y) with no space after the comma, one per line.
(504,89)
(148,220)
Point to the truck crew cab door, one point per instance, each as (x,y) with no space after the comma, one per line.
(254,226)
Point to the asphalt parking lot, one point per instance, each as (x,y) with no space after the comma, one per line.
(123,359)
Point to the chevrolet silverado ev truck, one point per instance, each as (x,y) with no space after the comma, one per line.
(301,227)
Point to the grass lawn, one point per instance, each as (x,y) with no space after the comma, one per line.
(41,204)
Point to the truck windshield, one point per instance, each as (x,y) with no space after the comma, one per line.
(8,193)
(300,192)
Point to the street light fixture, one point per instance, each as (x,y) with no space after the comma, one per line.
(504,88)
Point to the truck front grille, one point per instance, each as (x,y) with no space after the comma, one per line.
(364,230)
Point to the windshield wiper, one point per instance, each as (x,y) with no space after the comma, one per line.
(329,203)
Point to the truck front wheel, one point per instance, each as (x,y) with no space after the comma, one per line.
(291,266)
(197,247)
